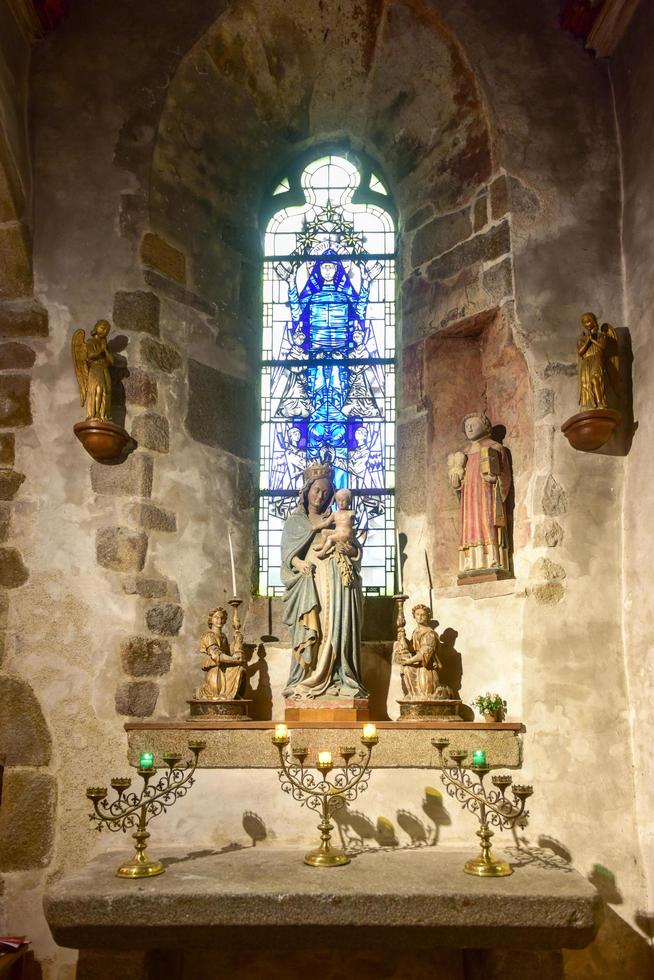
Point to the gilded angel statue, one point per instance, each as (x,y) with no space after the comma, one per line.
(92,360)
(598,359)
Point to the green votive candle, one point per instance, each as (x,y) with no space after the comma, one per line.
(479,757)
(146,760)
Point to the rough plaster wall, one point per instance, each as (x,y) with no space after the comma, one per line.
(14,68)
(552,129)
(632,72)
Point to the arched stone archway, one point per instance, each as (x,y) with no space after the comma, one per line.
(258,88)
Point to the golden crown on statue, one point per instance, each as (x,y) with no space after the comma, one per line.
(317,471)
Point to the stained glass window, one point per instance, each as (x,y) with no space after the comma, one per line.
(328,356)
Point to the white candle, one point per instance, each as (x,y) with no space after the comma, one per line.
(231,558)
(281,732)
(398,561)
(370,731)
(324,758)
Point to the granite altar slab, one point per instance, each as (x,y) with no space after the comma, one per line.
(262,895)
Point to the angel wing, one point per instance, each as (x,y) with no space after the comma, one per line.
(78,349)
(612,356)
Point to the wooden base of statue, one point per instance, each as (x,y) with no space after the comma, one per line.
(590,430)
(227,710)
(104,441)
(326,709)
(445,710)
(477,575)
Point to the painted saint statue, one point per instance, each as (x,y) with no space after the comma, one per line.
(323,598)
(481,477)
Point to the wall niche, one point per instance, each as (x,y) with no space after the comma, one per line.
(467,366)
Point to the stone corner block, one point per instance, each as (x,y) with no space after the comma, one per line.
(132,477)
(221,410)
(151,431)
(165,619)
(27,820)
(440,235)
(548,534)
(137,310)
(154,518)
(21,320)
(15,261)
(10,482)
(15,407)
(15,356)
(136,699)
(24,736)
(140,388)
(121,549)
(158,356)
(147,588)
(13,572)
(7,449)
(554,499)
(159,254)
(143,656)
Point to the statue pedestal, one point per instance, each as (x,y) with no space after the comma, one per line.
(228,710)
(445,709)
(326,709)
(103,441)
(590,429)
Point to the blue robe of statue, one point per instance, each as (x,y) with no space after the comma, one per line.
(324,617)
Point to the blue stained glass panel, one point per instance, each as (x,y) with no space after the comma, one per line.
(328,361)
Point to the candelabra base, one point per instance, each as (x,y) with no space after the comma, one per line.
(490,868)
(140,867)
(330,858)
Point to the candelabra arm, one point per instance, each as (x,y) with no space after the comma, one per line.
(461,785)
(133,811)
(324,796)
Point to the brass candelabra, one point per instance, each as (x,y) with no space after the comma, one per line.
(321,794)
(135,810)
(490,806)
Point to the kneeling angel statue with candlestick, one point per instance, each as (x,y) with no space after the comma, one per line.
(225,672)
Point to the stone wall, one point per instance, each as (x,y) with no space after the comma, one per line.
(497,136)
(633,79)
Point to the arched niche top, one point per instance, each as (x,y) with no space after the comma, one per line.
(257,88)
(286,190)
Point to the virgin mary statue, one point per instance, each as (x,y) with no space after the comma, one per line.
(323,598)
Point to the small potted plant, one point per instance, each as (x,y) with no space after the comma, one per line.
(491,706)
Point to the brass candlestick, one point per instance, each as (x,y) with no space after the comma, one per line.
(491,807)
(321,794)
(237,635)
(132,810)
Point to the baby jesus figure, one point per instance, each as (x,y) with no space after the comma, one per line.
(343,532)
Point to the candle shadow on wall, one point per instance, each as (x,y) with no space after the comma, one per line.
(452,672)
(358,833)
(254,827)
(546,853)
(261,695)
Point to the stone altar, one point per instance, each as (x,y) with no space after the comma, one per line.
(415,907)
